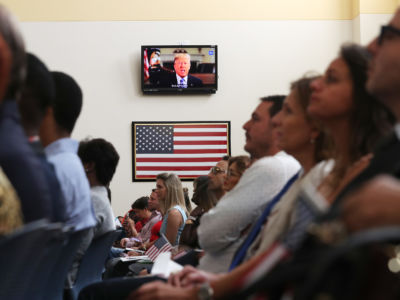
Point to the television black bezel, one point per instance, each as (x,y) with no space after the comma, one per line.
(202,90)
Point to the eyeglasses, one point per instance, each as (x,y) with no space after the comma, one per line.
(388,32)
(216,170)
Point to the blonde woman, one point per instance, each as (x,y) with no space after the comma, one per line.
(172,206)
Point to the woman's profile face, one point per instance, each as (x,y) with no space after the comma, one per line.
(294,131)
(161,189)
(332,94)
(232,177)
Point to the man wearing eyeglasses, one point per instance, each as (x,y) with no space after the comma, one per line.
(217,177)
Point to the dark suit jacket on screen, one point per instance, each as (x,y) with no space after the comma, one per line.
(169,80)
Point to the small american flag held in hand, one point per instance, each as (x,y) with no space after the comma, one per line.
(161,245)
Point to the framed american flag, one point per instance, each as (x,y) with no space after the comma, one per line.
(188,149)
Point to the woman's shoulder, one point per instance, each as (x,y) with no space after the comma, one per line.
(176,211)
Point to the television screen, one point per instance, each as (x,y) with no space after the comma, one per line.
(179,69)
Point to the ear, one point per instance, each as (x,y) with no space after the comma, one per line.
(89,166)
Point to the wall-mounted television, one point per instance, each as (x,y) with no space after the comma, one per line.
(179,69)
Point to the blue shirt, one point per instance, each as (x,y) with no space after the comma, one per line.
(22,167)
(74,184)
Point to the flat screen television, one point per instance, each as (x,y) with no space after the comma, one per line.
(179,69)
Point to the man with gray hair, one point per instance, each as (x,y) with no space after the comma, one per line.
(17,159)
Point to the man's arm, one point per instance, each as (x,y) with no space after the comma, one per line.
(224,224)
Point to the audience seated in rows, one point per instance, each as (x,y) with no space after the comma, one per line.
(346,77)
(223,228)
(61,150)
(37,94)
(261,237)
(149,215)
(18,161)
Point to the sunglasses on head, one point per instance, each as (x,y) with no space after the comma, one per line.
(387,33)
(216,170)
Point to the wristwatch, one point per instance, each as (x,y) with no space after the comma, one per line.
(205,292)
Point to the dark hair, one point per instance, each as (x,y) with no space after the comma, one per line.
(187,199)
(14,40)
(370,119)
(277,103)
(67,103)
(202,196)
(242,162)
(141,203)
(225,157)
(323,143)
(37,94)
(103,155)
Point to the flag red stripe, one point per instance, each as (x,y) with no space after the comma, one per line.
(202,126)
(200,142)
(177,159)
(194,151)
(205,133)
(172,168)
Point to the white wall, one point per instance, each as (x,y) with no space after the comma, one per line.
(370,26)
(256,58)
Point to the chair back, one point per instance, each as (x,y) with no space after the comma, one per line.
(19,251)
(357,268)
(45,259)
(58,274)
(92,263)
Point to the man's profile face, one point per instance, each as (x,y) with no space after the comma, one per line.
(217,176)
(384,72)
(259,134)
(153,202)
(182,65)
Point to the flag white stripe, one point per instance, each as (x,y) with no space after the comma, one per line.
(200,147)
(165,248)
(194,172)
(203,129)
(199,138)
(177,164)
(179,155)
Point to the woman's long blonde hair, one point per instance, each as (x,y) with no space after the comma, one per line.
(174,194)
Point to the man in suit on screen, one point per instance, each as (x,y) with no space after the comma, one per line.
(181,78)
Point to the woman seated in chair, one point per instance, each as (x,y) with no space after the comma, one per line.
(356,121)
(172,206)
